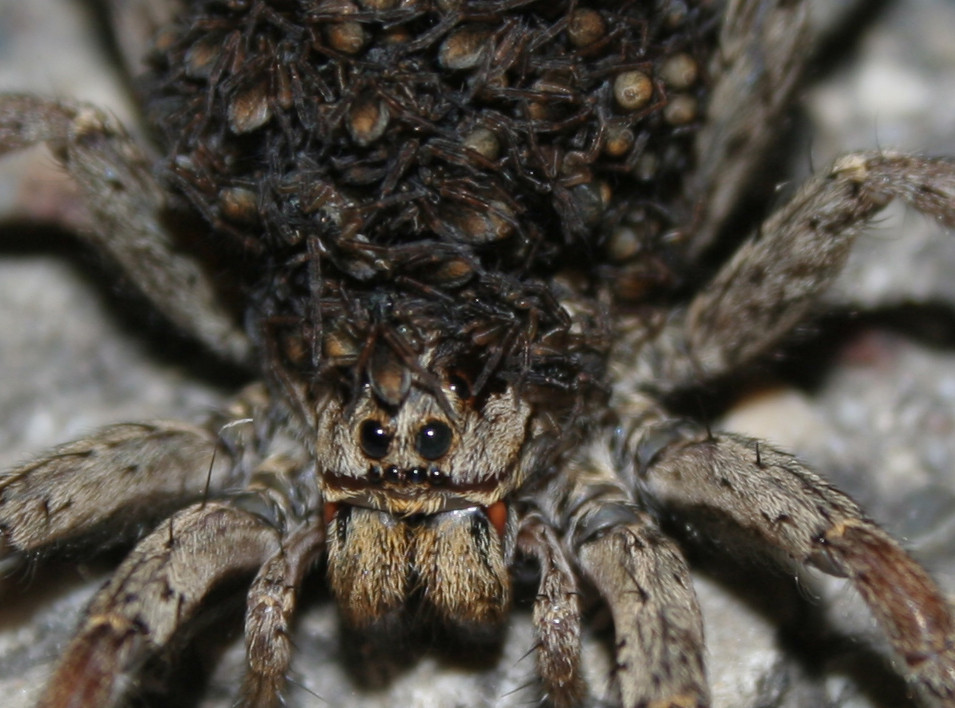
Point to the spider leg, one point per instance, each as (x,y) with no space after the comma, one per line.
(155,592)
(773,497)
(777,275)
(82,491)
(126,204)
(271,602)
(764,45)
(556,613)
(644,580)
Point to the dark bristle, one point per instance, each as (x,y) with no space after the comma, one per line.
(457,153)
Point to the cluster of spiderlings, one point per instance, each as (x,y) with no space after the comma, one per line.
(442,147)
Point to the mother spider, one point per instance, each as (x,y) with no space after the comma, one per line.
(455,234)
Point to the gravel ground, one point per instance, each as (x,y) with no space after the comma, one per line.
(875,409)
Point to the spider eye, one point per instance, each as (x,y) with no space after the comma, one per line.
(433,440)
(374,439)
(459,385)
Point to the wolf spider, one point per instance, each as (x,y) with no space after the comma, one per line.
(379,478)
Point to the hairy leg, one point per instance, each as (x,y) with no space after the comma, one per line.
(746,484)
(271,603)
(556,613)
(645,582)
(126,205)
(156,591)
(775,278)
(109,485)
(764,45)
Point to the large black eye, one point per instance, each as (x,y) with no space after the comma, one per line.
(374,439)
(433,440)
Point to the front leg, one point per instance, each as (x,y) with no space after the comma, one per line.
(657,622)
(557,613)
(82,491)
(271,602)
(156,591)
(642,577)
(113,485)
(774,498)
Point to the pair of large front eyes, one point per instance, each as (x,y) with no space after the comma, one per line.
(432,441)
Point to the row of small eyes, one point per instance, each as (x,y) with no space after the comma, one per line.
(432,440)
(416,475)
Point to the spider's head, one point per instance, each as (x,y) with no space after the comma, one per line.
(429,452)
(416,479)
